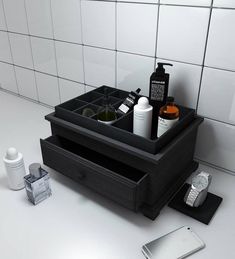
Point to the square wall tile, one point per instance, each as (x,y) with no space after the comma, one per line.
(137,28)
(187,2)
(99,66)
(89,88)
(5,51)
(141,1)
(215,144)
(217,95)
(44,55)
(67,20)
(39,18)
(70,61)
(2,17)
(220,51)
(16,16)
(224,3)
(98,22)
(7,78)
(69,89)
(26,83)
(48,89)
(134,72)
(21,50)
(182,33)
(184,82)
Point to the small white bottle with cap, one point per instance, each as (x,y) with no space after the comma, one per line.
(15,169)
(142,119)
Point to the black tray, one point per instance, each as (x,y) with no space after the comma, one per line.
(122,128)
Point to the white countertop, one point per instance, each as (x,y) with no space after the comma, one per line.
(78,223)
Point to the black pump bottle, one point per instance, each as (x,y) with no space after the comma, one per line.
(158,90)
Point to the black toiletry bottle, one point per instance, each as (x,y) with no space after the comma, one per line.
(158,90)
(129,102)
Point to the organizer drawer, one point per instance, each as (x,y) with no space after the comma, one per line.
(113,179)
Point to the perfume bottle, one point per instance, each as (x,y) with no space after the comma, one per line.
(37,184)
(106,113)
(168,116)
(129,102)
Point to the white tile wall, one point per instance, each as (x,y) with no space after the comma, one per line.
(184,82)
(216,144)
(224,3)
(2,17)
(26,82)
(78,45)
(67,20)
(44,55)
(99,66)
(187,2)
(69,89)
(135,34)
(98,23)
(182,33)
(217,96)
(48,89)
(16,16)
(21,50)
(70,61)
(133,72)
(39,18)
(8,80)
(221,42)
(5,51)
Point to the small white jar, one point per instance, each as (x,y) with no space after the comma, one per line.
(15,169)
(142,119)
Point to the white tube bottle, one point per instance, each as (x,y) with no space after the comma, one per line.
(142,119)
(15,169)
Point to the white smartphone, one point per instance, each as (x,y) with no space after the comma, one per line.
(175,245)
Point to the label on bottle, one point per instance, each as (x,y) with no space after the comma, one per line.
(157,90)
(164,125)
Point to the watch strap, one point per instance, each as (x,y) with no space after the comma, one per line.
(192,196)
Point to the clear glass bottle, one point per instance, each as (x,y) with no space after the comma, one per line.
(168,116)
(106,113)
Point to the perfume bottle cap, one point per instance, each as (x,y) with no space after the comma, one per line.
(143,103)
(35,169)
(170,99)
(12,153)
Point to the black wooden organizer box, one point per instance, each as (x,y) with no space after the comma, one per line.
(140,174)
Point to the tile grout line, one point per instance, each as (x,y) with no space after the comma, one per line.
(204,55)
(55,53)
(31,49)
(157,35)
(220,168)
(5,19)
(83,46)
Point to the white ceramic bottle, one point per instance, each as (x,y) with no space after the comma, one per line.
(142,119)
(15,168)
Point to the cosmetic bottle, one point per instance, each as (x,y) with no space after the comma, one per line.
(142,118)
(168,116)
(129,102)
(37,184)
(158,90)
(15,169)
(106,113)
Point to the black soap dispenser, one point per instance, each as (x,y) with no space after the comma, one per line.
(158,90)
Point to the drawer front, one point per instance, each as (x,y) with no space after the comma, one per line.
(126,192)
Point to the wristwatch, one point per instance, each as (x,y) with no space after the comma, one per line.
(197,192)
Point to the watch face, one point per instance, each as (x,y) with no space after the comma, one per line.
(200,182)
